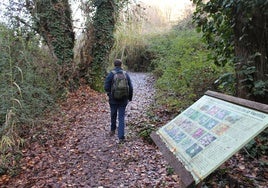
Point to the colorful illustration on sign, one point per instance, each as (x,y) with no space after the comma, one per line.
(171,130)
(211,123)
(205,107)
(233,118)
(220,129)
(178,121)
(188,126)
(213,110)
(189,112)
(222,114)
(193,150)
(186,143)
(179,136)
(198,133)
(203,119)
(207,139)
(195,115)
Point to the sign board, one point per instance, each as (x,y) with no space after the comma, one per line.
(208,133)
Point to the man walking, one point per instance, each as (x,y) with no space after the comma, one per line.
(118,98)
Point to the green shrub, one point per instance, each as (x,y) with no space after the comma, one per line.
(27,90)
(182,68)
(28,79)
(258,146)
(145,133)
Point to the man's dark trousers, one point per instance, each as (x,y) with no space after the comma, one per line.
(120,108)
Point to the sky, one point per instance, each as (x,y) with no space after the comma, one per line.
(175,7)
(168,3)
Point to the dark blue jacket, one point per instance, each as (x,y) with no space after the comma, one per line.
(108,85)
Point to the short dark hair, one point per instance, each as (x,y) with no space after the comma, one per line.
(117,63)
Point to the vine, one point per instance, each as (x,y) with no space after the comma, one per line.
(103,23)
(237,33)
(53,22)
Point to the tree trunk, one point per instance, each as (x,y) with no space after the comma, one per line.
(53,20)
(103,24)
(252,64)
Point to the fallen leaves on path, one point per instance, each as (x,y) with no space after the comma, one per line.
(73,148)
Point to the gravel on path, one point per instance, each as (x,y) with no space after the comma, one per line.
(87,156)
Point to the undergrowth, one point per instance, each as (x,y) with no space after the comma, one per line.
(182,67)
(184,72)
(27,90)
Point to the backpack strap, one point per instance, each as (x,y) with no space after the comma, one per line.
(114,72)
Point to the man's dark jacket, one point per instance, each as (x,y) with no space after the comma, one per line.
(108,86)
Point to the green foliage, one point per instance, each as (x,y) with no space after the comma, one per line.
(225,83)
(236,32)
(103,20)
(256,87)
(105,13)
(260,88)
(170,170)
(53,22)
(258,146)
(183,70)
(145,133)
(217,28)
(27,86)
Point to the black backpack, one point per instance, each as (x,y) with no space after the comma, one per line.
(120,88)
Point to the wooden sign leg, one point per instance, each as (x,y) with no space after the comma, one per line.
(199,185)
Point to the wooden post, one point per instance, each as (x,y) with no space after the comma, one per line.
(242,102)
(185,176)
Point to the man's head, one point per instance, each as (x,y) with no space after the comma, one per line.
(117,63)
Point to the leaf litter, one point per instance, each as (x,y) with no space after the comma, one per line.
(73,149)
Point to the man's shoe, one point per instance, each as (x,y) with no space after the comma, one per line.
(121,141)
(112,133)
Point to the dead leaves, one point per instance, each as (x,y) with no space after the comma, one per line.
(73,149)
(4,179)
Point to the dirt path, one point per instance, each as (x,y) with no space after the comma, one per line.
(74,149)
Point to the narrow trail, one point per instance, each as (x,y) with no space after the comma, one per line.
(75,150)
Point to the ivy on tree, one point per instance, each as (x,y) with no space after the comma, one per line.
(237,31)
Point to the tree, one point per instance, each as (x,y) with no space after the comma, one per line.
(99,40)
(103,28)
(53,21)
(237,30)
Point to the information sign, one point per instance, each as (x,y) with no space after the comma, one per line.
(209,132)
